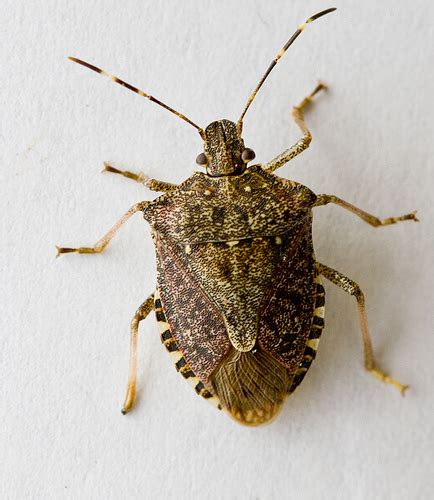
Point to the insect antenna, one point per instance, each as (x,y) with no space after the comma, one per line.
(137,91)
(274,62)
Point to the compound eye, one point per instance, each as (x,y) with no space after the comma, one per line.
(202,160)
(248,155)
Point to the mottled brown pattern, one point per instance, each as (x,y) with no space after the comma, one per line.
(223,148)
(236,276)
(207,209)
(216,283)
(286,312)
(314,335)
(238,297)
(178,359)
(195,322)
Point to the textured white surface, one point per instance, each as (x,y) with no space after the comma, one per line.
(64,323)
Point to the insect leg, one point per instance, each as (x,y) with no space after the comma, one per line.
(152,184)
(140,315)
(353,288)
(105,240)
(324,199)
(304,142)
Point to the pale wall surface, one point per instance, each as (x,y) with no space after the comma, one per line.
(64,332)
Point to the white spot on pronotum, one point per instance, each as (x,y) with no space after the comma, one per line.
(207,192)
(278,240)
(187,249)
(248,189)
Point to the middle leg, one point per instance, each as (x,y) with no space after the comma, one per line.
(324,199)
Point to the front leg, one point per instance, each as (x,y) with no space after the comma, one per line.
(304,142)
(324,199)
(152,184)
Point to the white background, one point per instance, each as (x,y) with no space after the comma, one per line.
(65,323)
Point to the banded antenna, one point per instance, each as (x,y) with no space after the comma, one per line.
(138,91)
(279,55)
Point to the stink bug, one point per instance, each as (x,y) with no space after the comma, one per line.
(239,296)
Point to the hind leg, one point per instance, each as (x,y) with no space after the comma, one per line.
(353,288)
(140,315)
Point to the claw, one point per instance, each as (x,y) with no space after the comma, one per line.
(413,216)
(109,168)
(323,84)
(60,250)
(140,177)
(403,389)
(129,398)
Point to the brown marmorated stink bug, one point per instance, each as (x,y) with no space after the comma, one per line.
(239,297)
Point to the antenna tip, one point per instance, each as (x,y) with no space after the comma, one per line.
(87,65)
(320,14)
(74,59)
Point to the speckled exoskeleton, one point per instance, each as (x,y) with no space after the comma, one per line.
(239,297)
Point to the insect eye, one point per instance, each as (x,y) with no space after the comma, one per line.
(248,155)
(202,160)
